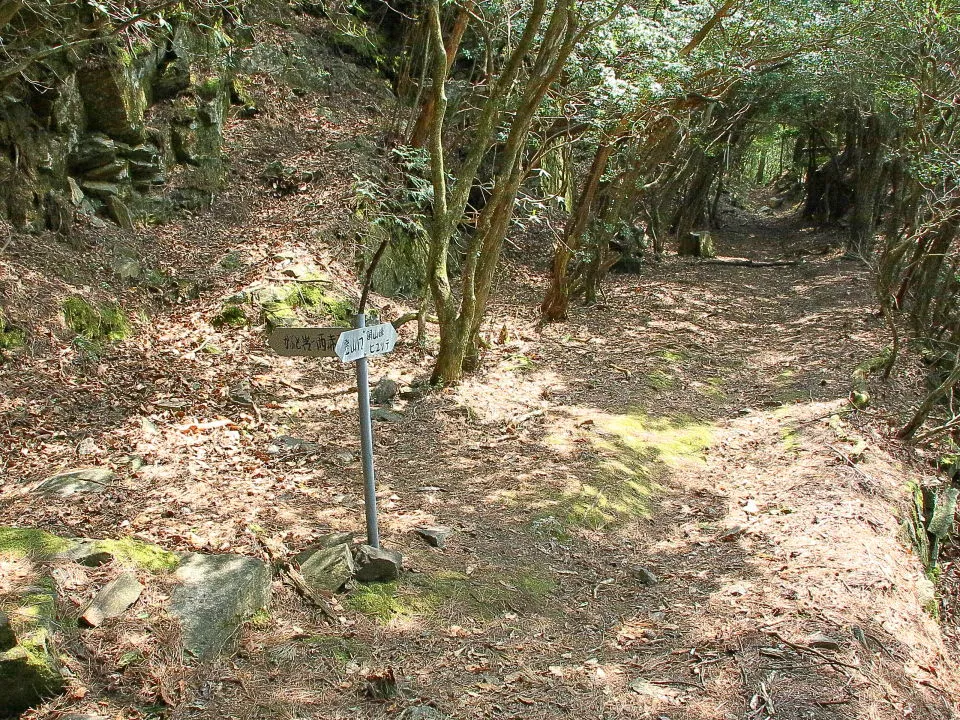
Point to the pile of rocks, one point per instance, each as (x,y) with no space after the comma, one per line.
(211,595)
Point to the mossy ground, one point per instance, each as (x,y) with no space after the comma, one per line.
(30,543)
(481,595)
(138,554)
(40,545)
(635,452)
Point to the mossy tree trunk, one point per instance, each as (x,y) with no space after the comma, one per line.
(460,319)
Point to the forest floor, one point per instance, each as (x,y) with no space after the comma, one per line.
(664,507)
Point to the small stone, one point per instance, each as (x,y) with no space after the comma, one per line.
(113,600)
(127,268)
(327,568)
(287,444)
(387,416)
(89,553)
(87,446)
(644,575)
(377,564)
(384,393)
(750,507)
(300,271)
(434,536)
(7,637)
(421,712)
(120,212)
(72,482)
(823,642)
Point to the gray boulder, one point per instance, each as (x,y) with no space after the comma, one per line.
(72,482)
(384,393)
(89,553)
(218,593)
(434,536)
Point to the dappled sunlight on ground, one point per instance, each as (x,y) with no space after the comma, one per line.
(655,505)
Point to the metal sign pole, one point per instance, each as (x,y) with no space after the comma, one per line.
(366,444)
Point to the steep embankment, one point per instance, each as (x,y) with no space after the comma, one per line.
(664,507)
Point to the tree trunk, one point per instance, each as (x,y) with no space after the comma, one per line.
(421,129)
(557,300)
(869,157)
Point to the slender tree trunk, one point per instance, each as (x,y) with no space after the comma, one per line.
(421,129)
(557,300)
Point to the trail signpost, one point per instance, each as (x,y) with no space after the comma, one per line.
(350,346)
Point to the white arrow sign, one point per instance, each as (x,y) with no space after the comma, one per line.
(366,342)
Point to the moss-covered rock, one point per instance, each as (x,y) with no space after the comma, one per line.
(40,545)
(283,304)
(11,337)
(29,671)
(113,99)
(100,323)
(231,315)
(138,554)
(30,543)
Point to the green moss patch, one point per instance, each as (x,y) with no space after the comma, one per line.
(636,451)
(139,554)
(714,388)
(675,357)
(481,595)
(11,337)
(379,600)
(282,305)
(231,316)
(659,380)
(790,439)
(30,543)
(101,323)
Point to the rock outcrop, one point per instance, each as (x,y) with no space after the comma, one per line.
(124,135)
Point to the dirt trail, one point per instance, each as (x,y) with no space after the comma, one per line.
(657,506)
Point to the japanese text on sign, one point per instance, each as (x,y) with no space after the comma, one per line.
(305,341)
(366,342)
